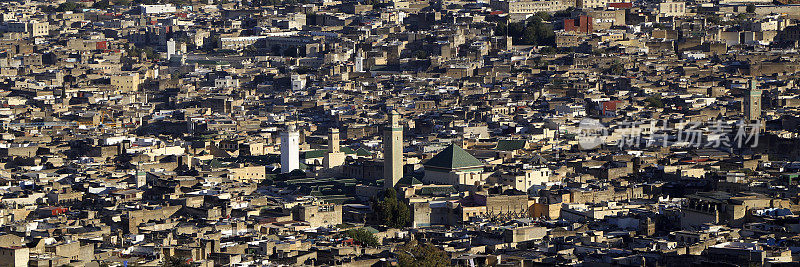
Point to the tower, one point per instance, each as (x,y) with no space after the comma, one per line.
(752,99)
(141,179)
(171,49)
(290,149)
(647,227)
(334,157)
(333,140)
(392,150)
(359,62)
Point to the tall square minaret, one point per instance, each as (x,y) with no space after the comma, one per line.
(290,149)
(752,101)
(335,157)
(392,151)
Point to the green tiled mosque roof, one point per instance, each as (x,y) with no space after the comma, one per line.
(453,157)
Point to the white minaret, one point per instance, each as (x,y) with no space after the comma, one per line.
(359,62)
(171,49)
(392,151)
(290,149)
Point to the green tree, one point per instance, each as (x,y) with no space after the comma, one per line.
(713,19)
(421,54)
(500,29)
(103,4)
(175,262)
(363,237)
(564,13)
(548,50)
(179,2)
(145,2)
(740,18)
(544,16)
(529,36)
(69,6)
(136,51)
(392,211)
(654,101)
(414,254)
(616,68)
(534,31)
(515,29)
(751,8)
(250,50)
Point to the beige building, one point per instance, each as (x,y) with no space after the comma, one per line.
(249,174)
(592,4)
(82,45)
(522,234)
(126,83)
(14,256)
(564,39)
(318,215)
(524,180)
(31,28)
(672,9)
(530,6)
(605,19)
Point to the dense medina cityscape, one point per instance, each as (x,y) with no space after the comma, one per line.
(399,133)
